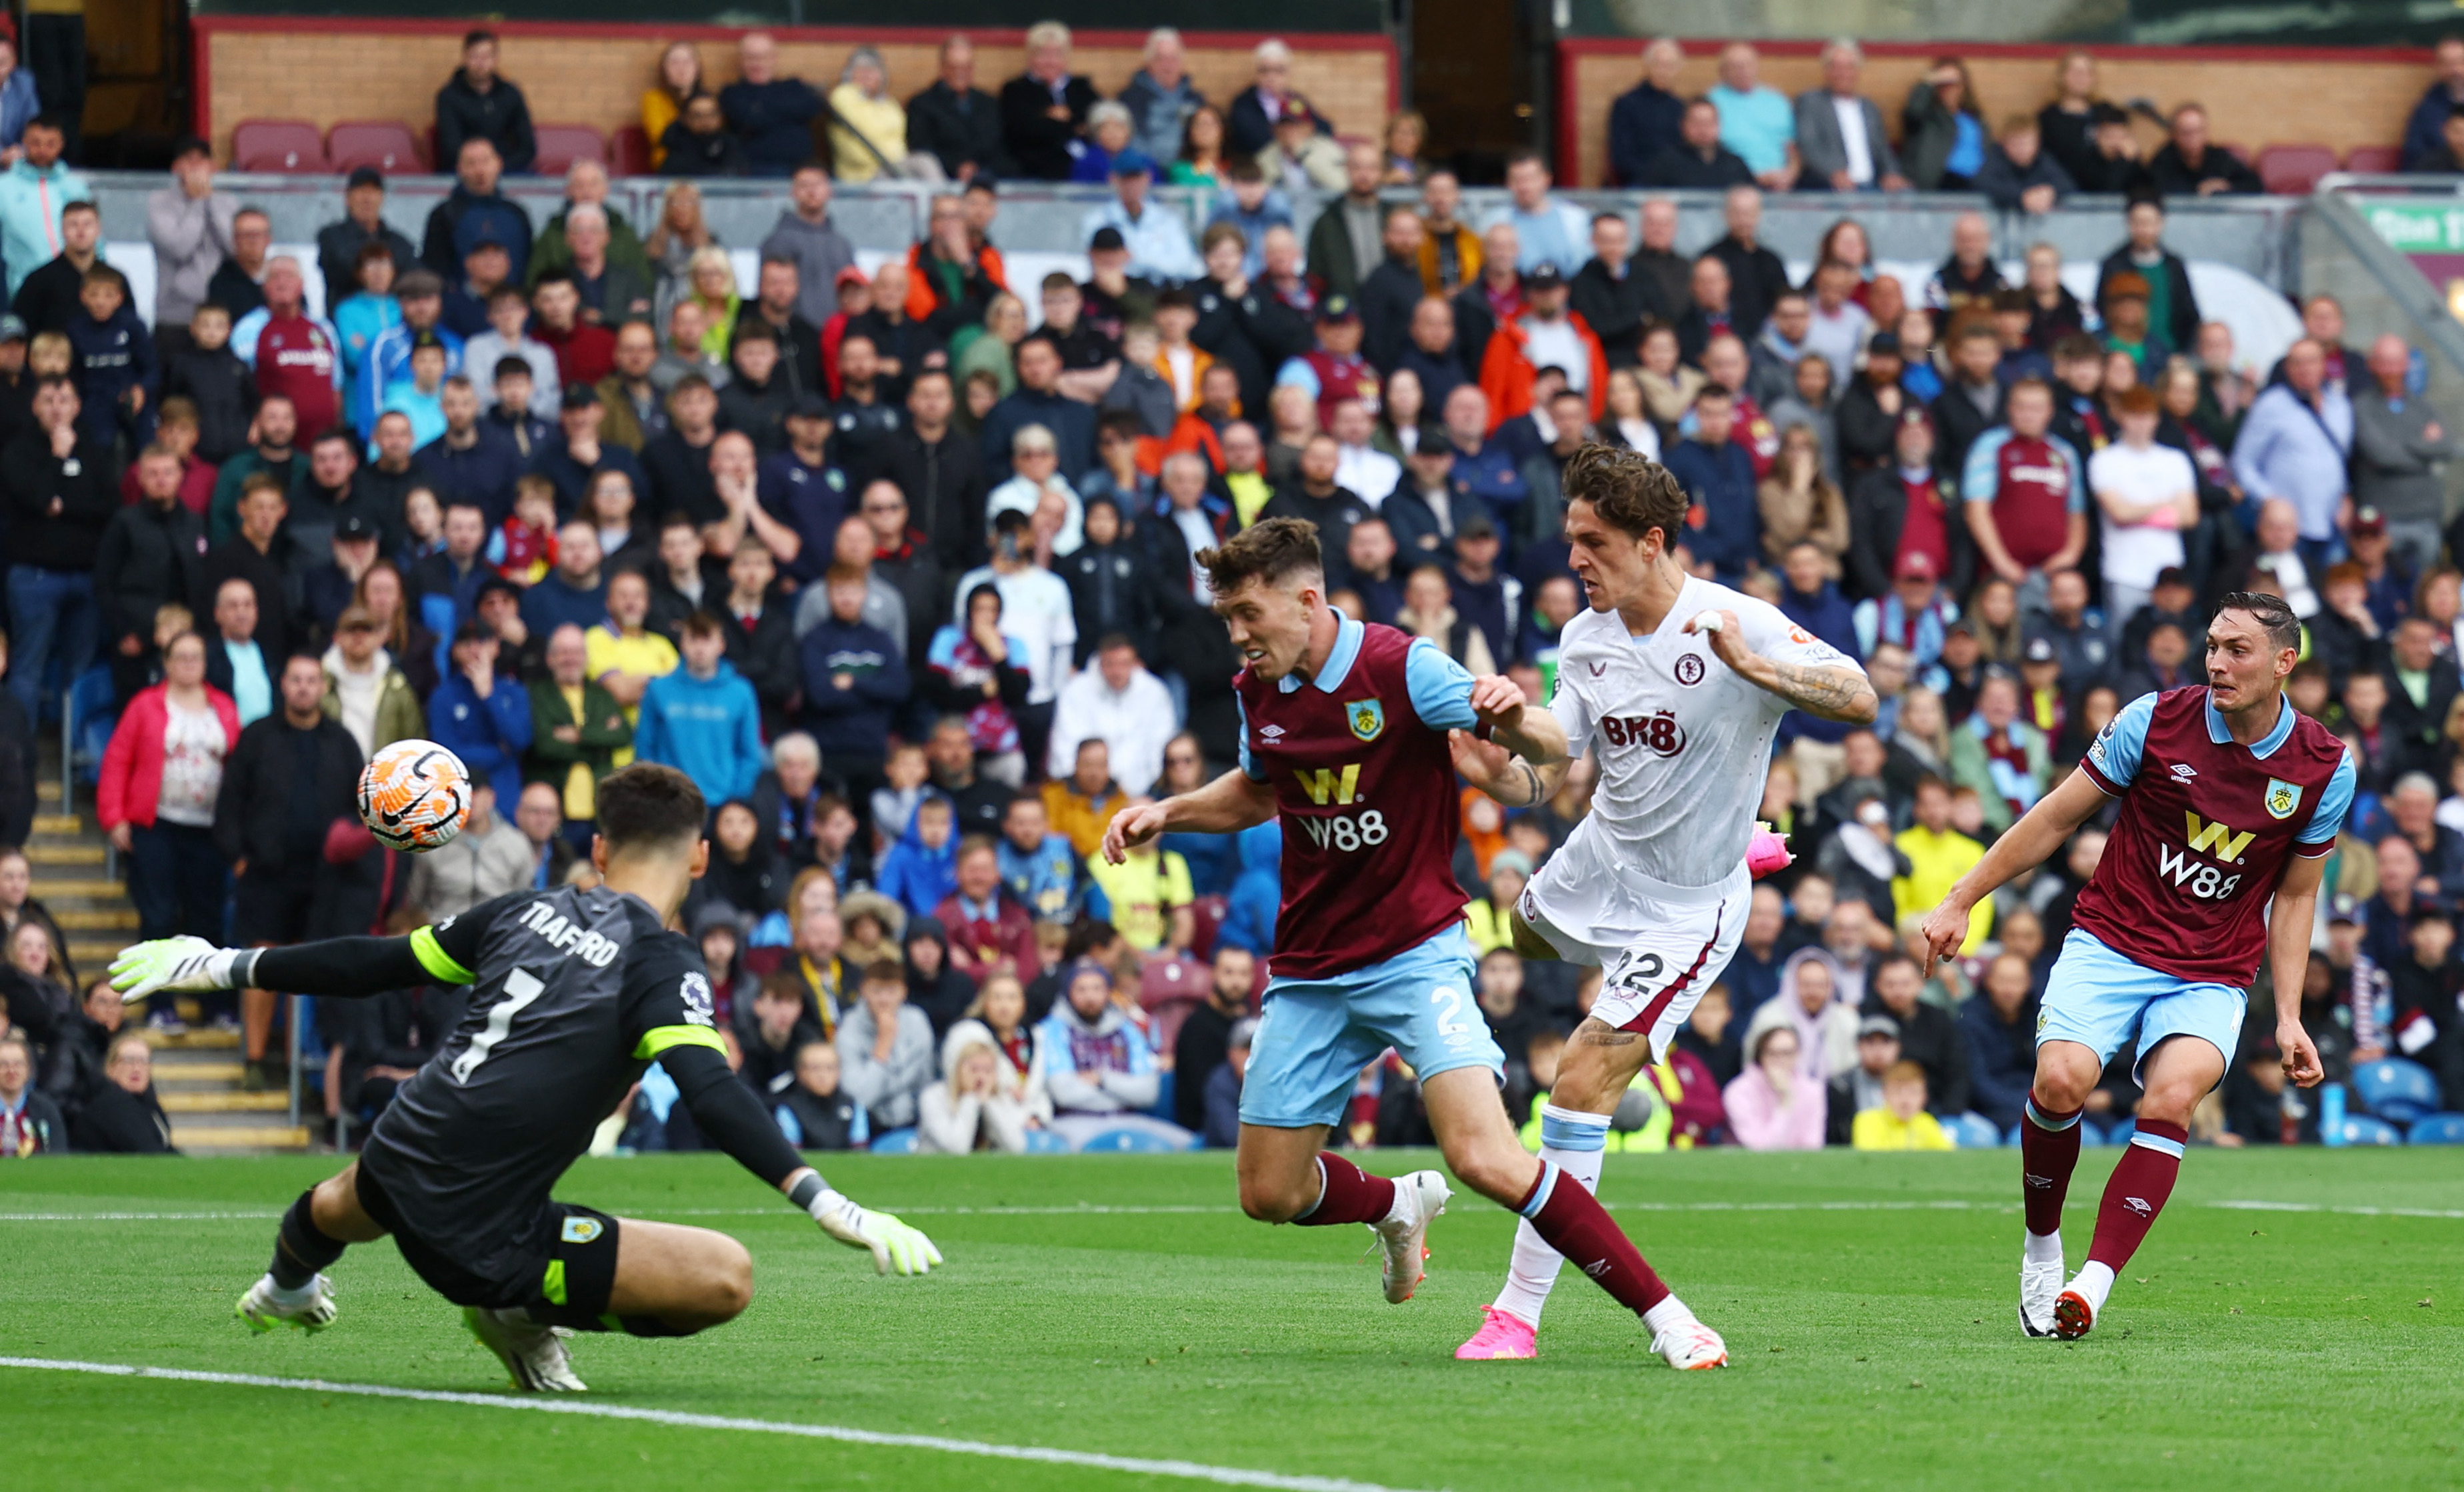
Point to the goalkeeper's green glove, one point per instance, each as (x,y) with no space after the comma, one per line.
(178,965)
(895,1247)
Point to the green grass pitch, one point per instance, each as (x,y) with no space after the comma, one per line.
(1867,1302)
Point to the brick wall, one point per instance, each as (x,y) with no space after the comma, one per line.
(325,73)
(2252,99)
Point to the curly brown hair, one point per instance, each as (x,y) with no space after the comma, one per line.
(1273,549)
(1630,492)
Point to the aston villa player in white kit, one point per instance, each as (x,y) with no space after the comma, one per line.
(1677,685)
(2231,801)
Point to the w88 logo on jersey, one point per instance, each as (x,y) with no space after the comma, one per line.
(1658,733)
(1347,832)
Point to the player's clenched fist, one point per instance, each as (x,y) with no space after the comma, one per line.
(1728,635)
(1497,700)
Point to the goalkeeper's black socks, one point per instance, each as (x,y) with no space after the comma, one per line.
(301,1250)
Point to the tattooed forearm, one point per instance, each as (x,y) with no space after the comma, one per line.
(1831,693)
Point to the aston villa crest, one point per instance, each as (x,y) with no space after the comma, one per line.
(1368,717)
(2283,798)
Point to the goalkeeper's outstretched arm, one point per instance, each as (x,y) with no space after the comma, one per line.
(350,968)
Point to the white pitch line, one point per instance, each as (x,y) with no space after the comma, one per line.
(1948,1204)
(1187,1471)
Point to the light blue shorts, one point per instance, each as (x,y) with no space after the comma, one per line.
(2100,999)
(1316,1035)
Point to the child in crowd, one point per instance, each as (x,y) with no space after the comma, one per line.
(894,803)
(1900,1123)
(525,546)
(118,379)
(420,397)
(813,1114)
(515,411)
(213,376)
(49,355)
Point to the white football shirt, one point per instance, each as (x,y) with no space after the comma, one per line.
(1684,744)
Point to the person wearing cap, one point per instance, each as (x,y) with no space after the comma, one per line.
(421,295)
(189,225)
(476,212)
(1335,373)
(1546,334)
(1157,237)
(1300,156)
(362,223)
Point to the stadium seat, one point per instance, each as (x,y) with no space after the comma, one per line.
(1207,916)
(2121,1132)
(1129,1142)
(2437,1129)
(630,152)
(1044,1142)
(2362,1129)
(2396,1091)
(2293,171)
(387,145)
(292,146)
(2374,160)
(1974,1131)
(2090,1136)
(1167,979)
(894,1142)
(1164,1019)
(559,145)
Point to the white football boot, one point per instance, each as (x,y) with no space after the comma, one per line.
(1403,1234)
(534,1354)
(265,1305)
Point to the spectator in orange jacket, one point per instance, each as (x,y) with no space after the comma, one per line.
(1546,334)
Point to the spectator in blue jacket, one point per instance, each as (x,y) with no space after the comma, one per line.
(855,683)
(1257,891)
(1483,466)
(771,115)
(119,380)
(1718,476)
(472,461)
(480,716)
(703,720)
(921,870)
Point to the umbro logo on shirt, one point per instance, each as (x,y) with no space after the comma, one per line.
(1273,733)
(2184,771)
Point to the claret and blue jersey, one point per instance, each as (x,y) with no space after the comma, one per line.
(2206,829)
(1370,948)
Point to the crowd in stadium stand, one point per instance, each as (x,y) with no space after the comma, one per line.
(909,589)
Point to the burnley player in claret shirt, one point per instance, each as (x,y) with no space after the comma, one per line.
(2231,801)
(1347,732)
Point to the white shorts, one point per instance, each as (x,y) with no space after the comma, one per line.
(1654,970)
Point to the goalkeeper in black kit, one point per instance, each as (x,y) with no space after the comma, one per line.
(574,993)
